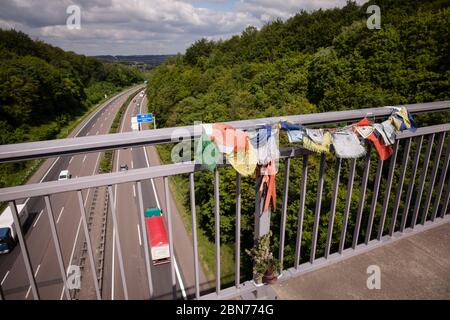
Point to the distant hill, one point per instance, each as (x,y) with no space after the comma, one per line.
(146,61)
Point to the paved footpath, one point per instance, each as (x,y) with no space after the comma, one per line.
(417,267)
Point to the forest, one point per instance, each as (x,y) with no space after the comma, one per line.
(319,61)
(44,89)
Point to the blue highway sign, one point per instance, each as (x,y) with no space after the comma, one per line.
(144,117)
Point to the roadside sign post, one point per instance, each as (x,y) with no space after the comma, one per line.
(135,126)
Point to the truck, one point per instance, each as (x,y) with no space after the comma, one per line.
(8,234)
(157,236)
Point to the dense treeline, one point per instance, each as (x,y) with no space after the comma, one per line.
(44,86)
(314,62)
(43,89)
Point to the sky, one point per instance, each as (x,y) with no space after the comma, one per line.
(138,27)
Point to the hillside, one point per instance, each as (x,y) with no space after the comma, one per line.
(321,61)
(43,89)
(145,62)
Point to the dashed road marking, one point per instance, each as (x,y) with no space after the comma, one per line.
(29,288)
(60,213)
(4,278)
(35,223)
(139,235)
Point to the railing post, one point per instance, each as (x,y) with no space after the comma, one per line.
(238,232)
(89,244)
(348,200)
(217,228)
(283,211)
(262,220)
(301,211)
(194,235)
(401,179)
(317,209)
(446,201)
(361,198)
(412,180)
(373,206)
(387,195)
(437,158)
(147,252)
(422,181)
(333,207)
(171,245)
(116,241)
(441,182)
(24,250)
(57,245)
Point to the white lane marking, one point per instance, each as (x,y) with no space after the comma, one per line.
(139,235)
(134,191)
(35,223)
(84,159)
(79,225)
(96,133)
(177,271)
(70,161)
(115,206)
(71,255)
(4,278)
(153,183)
(132,164)
(113,263)
(60,213)
(29,288)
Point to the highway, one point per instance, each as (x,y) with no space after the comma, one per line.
(66,213)
(130,231)
(67,217)
(131,234)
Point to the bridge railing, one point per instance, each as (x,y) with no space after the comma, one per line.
(401,210)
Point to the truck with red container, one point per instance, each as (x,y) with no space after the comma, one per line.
(157,236)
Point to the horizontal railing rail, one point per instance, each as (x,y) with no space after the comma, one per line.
(402,201)
(43,149)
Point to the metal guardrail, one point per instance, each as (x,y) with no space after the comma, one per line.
(434,136)
(42,149)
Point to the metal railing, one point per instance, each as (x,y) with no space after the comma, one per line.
(337,245)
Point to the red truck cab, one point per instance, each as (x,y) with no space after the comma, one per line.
(157,236)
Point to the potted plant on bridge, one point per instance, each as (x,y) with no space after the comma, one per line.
(265,266)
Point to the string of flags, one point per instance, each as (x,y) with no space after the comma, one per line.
(258,149)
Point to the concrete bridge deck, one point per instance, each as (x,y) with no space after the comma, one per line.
(416,267)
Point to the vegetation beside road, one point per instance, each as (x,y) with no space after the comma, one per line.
(45,92)
(326,60)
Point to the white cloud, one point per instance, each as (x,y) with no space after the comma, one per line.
(145,26)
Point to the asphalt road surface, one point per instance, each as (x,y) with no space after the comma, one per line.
(66,212)
(130,232)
